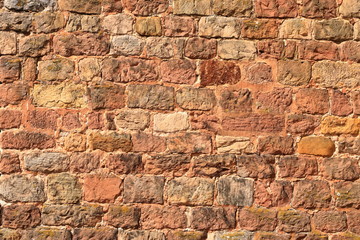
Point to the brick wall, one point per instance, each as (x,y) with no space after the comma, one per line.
(182,119)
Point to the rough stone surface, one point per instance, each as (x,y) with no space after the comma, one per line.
(219,27)
(86,215)
(20,216)
(150,97)
(46,162)
(311,194)
(63,188)
(101,189)
(233,190)
(215,72)
(145,189)
(293,72)
(60,95)
(195,99)
(236,49)
(22,188)
(190,191)
(333,29)
(337,74)
(179,119)
(111,141)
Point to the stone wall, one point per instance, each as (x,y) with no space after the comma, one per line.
(181,119)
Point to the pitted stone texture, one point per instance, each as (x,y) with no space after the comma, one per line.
(29,5)
(293,72)
(63,188)
(15,21)
(123,216)
(118,23)
(57,69)
(10,68)
(150,97)
(195,98)
(296,29)
(215,72)
(276,8)
(34,46)
(132,119)
(82,6)
(47,22)
(236,49)
(319,9)
(196,7)
(85,215)
(311,194)
(126,45)
(235,8)
(144,7)
(148,26)
(129,69)
(110,142)
(190,191)
(336,74)
(233,190)
(7,43)
(212,218)
(20,216)
(257,218)
(189,142)
(22,188)
(294,221)
(62,95)
(334,30)
(144,189)
(347,194)
(180,71)
(46,162)
(224,27)
(70,44)
(164,47)
(86,23)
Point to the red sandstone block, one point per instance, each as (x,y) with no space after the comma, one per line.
(123,216)
(273,194)
(276,8)
(312,101)
(267,123)
(12,94)
(70,44)
(159,217)
(341,105)
(43,119)
(316,50)
(276,49)
(9,163)
(215,72)
(276,145)
(255,219)
(200,48)
(20,216)
(212,218)
(10,119)
(330,221)
(26,140)
(101,189)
